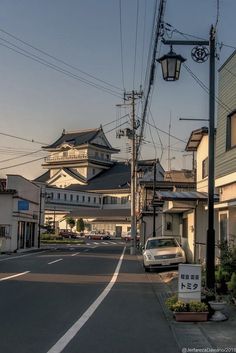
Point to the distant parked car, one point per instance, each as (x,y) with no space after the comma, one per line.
(162,251)
(97,236)
(68,234)
(127,237)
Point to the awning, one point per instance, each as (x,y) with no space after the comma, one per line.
(181,196)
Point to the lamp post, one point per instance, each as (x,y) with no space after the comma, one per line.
(171,65)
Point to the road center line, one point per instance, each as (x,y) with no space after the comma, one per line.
(75,254)
(67,337)
(17,275)
(53,262)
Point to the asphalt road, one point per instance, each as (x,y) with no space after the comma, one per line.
(79,300)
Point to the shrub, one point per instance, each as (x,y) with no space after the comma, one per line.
(232,285)
(195,306)
(171,301)
(180,306)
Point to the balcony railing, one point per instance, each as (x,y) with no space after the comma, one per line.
(77,157)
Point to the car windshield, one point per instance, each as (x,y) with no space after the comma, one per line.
(161,243)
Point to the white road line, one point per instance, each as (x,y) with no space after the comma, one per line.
(111,242)
(75,254)
(95,243)
(88,243)
(20,256)
(53,262)
(70,334)
(105,243)
(18,274)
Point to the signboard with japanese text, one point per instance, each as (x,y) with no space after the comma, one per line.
(189,282)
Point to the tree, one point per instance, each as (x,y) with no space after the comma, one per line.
(80,225)
(70,221)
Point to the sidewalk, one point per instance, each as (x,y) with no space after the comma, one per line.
(204,335)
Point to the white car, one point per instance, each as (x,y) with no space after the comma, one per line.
(162,251)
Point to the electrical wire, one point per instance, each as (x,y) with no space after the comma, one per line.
(217,13)
(136,39)
(165,132)
(21,156)
(17,165)
(144,35)
(121,47)
(57,68)
(205,88)
(57,59)
(23,139)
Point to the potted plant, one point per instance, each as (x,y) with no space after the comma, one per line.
(192,311)
(232,287)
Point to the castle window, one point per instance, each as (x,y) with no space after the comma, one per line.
(65,197)
(71,197)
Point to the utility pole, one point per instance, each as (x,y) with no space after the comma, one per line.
(154,207)
(131,134)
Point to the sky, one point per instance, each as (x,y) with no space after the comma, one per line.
(38,101)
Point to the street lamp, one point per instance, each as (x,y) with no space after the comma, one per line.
(171,65)
(172,62)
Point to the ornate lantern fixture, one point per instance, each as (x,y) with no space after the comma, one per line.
(171,64)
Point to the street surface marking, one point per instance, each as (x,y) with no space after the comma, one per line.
(88,243)
(53,262)
(70,334)
(75,254)
(105,243)
(20,256)
(19,274)
(111,242)
(95,243)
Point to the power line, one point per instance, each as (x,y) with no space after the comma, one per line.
(17,165)
(21,156)
(136,39)
(23,139)
(165,132)
(57,59)
(152,67)
(205,88)
(57,68)
(121,47)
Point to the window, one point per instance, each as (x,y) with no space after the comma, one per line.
(71,197)
(108,157)
(2,231)
(58,196)
(231,131)
(124,199)
(65,197)
(204,168)
(83,198)
(94,199)
(77,198)
(88,198)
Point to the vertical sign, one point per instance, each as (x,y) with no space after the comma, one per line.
(189,282)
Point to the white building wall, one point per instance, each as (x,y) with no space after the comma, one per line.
(201,155)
